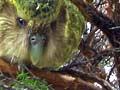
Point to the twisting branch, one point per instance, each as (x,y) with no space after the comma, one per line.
(98,19)
(91,77)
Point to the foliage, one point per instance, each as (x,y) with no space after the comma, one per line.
(24,81)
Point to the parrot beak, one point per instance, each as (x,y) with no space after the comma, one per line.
(36,47)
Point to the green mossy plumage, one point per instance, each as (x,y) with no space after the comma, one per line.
(64,27)
(43,10)
(1,4)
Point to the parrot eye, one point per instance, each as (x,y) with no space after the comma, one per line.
(21,22)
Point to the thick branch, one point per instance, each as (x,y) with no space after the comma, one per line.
(57,80)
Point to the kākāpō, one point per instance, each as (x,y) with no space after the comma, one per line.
(40,32)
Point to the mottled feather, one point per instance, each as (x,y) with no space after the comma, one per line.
(58,26)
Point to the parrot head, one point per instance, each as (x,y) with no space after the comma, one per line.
(34,31)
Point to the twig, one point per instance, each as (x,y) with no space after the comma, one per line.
(111,71)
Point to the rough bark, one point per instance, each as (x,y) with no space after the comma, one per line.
(57,80)
(106,25)
(116,18)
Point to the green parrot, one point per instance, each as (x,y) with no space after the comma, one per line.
(44,33)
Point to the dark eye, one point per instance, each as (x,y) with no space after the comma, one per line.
(21,22)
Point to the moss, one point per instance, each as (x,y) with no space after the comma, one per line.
(24,81)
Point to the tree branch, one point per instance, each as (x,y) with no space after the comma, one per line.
(57,80)
(99,20)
